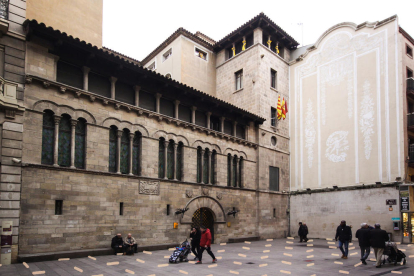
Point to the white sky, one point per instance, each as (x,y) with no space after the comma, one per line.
(137,27)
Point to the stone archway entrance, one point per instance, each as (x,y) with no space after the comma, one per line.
(204,216)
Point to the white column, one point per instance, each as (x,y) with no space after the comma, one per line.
(165,158)
(157,106)
(175,161)
(246,133)
(234,128)
(176,103)
(72,143)
(131,145)
(86,77)
(208,114)
(193,110)
(137,88)
(209,167)
(55,153)
(113,81)
(222,123)
(118,152)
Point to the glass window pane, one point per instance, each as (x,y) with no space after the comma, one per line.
(69,74)
(64,141)
(170,160)
(229,170)
(240,172)
(198,165)
(124,166)
(213,168)
(48,137)
(161,165)
(80,132)
(205,167)
(274,178)
(136,154)
(179,160)
(234,172)
(113,141)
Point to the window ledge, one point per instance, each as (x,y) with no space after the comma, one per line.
(274,89)
(409,56)
(237,91)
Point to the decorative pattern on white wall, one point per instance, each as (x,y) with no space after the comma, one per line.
(336,146)
(310,132)
(366,120)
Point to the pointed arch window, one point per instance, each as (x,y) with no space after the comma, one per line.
(65,133)
(136,154)
(124,158)
(170,160)
(48,137)
(80,134)
(161,159)
(113,145)
(179,161)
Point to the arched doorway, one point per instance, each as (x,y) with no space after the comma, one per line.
(204,216)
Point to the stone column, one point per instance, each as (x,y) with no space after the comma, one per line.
(165,158)
(72,143)
(118,152)
(113,81)
(193,110)
(208,114)
(202,167)
(237,171)
(85,77)
(246,133)
(222,124)
(131,145)
(176,103)
(55,153)
(209,167)
(234,128)
(175,161)
(157,105)
(137,88)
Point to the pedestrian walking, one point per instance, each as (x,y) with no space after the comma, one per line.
(301,232)
(377,239)
(363,238)
(205,244)
(305,232)
(195,236)
(344,235)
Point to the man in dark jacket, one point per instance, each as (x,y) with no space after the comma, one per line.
(205,244)
(117,244)
(344,234)
(377,238)
(302,232)
(363,238)
(195,236)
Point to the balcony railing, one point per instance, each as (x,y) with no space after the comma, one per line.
(411,153)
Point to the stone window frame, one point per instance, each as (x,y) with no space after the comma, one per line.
(206,165)
(197,52)
(167,163)
(238,75)
(167,54)
(273,72)
(235,170)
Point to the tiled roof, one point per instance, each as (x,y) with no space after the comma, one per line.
(206,38)
(31,24)
(121,55)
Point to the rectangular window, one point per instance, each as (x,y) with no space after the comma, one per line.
(273,78)
(69,74)
(99,84)
(409,73)
(228,127)
(167,107)
(200,118)
(240,131)
(184,113)
(274,212)
(214,123)
(409,50)
(273,116)
(124,93)
(273,178)
(147,100)
(152,66)
(121,208)
(167,55)
(58,207)
(239,80)
(200,54)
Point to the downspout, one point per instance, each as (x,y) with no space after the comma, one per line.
(288,211)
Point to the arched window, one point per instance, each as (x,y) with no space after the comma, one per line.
(234,172)
(240,172)
(48,137)
(213,167)
(170,160)
(229,159)
(205,166)
(113,145)
(65,133)
(80,134)
(124,158)
(136,154)
(161,162)
(199,168)
(179,161)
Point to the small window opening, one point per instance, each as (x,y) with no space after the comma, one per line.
(273,116)
(200,54)
(409,50)
(168,209)
(239,79)
(409,73)
(274,212)
(152,66)
(273,77)
(167,55)
(121,208)
(58,207)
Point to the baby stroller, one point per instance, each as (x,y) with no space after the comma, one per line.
(394,255)
(180,253)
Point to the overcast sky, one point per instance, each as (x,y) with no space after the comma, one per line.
(136,27)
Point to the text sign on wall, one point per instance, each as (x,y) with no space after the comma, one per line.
(405,203)
(391,202)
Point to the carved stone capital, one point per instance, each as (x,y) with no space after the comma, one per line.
(29,80)
(56,118)
(62,89)
(117,106)
(92,98)
(78,94)
(46,84)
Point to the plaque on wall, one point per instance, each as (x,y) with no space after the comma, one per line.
(405,203)
(205,191)
(147,187)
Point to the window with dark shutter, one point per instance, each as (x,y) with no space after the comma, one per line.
(205,166)
(113,145)
(228,127)
(215,123)
(161,163)
(229,170)
(170,160)
(99,84)
(64,141)
(124,158)
(184,113)
(200,118)
(240,132)
(136,154)
(124,93)
(273,78)
(167,107)
(69,74)
(273,178)
(179,161)
(213,167)
(80,134)
(199,168)
(147,100)
(48,137)
(273,116)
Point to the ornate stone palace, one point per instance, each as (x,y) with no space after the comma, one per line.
(94,142)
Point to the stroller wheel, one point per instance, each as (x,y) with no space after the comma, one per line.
(404,262)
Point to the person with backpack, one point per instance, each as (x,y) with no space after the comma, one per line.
(205,244)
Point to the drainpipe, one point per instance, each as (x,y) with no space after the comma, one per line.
(288,214)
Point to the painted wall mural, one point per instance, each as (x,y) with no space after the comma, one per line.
(336,146)
(310,132)
(366,121)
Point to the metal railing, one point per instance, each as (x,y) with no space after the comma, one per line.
(4,9)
